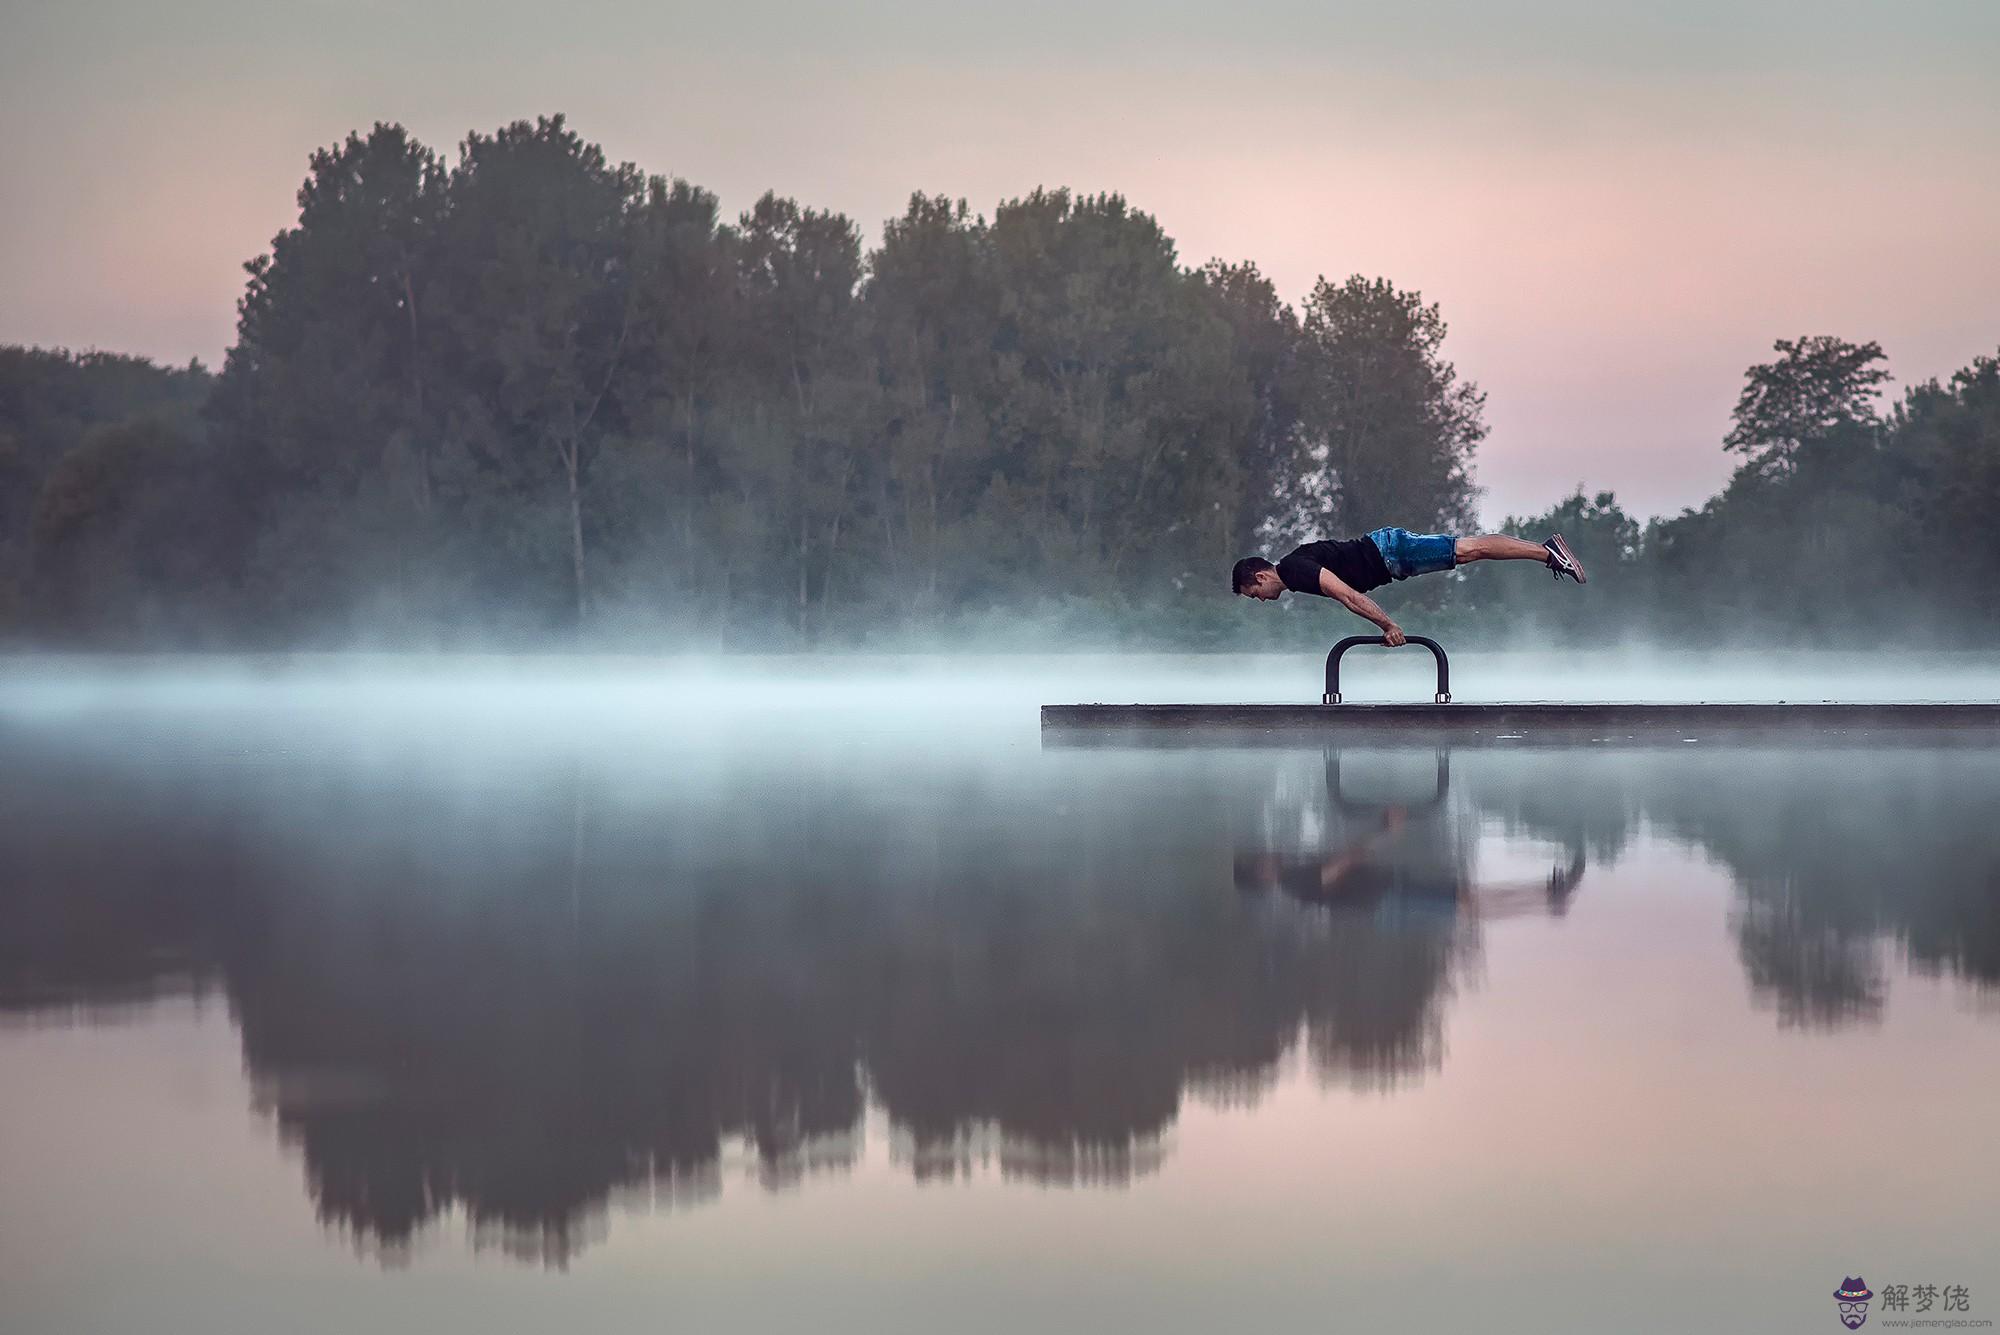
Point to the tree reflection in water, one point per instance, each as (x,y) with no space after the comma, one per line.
(525,991)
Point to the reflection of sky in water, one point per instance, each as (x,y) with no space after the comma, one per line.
(870,1015)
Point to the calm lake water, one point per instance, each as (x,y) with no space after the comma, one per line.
(615,996)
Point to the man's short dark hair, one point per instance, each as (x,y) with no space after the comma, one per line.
(1246,570)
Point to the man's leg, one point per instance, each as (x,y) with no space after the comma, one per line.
(1499,547)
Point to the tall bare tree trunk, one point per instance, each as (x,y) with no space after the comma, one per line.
(689,492)
(424,486)
(802,572)
(931,475)
(833,536)
(575,526)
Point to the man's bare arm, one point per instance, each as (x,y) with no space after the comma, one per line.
(1359,603)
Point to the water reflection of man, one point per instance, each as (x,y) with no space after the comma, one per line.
(1374,871)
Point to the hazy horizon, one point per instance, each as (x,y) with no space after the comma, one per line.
(1617,211)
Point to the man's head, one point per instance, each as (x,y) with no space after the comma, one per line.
(1254,577)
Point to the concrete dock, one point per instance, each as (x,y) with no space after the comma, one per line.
(1472,724)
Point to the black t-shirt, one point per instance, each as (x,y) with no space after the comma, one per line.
(1357,562)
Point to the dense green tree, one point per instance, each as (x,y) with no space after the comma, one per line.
(1947,437)
(1114,377)
(933,315)
(655,498)
(327,374)
(328,397)
(1817,384)
(540,295)
(51,403)
(51,398)
(1498,600)
(1268,448)
(127,537)
(798,425)
(1809,541)
(1390,429)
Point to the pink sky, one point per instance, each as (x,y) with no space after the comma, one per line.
(1618,208)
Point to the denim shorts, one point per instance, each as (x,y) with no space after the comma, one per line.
(1407,553)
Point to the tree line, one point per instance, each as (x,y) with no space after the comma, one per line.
(1844,523)
(532,392)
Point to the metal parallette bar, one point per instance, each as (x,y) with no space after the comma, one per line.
(1332,696)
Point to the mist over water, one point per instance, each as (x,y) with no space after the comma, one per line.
(490,992)
(806,694)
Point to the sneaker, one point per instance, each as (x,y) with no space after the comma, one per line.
(1563,562)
